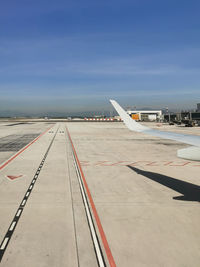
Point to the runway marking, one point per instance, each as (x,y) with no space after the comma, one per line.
(22,150)
(12,177)
(22,205)
(85,196)
(4,243)
(73,210)
(19,212)
(98,251)
(107,163)
(181,164)
(12,226)
(23,202)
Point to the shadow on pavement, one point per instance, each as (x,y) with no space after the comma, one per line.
(190,192)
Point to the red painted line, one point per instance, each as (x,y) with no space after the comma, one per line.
(121,163)
(196,165)
(22,150)
(101,163)
(182,164)
(96,216)
(169,162)
(152,163)
(12,177)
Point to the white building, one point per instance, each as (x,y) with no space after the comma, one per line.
(146,115)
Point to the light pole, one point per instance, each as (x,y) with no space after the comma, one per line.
(167,110)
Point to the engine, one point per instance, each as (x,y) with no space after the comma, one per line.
(191,153)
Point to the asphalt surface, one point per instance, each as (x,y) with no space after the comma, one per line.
(96,194)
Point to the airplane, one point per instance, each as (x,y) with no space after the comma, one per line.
(189,153)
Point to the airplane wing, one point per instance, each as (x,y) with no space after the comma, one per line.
(194,140)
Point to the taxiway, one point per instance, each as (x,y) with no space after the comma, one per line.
(95,194)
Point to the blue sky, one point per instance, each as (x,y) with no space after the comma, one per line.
(72,56)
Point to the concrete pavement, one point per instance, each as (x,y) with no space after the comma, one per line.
(143,194)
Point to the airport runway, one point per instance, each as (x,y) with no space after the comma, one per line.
(95,194)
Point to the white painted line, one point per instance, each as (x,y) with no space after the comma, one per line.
(33,181)
(12,226)
(4,243)
(24,201)
(18,213)
(93,233)
(27,194)
(30,187)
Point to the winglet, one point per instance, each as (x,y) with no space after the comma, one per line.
(129,122)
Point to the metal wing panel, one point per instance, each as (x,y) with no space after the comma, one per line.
(183,138)
(130,123)
(137,127)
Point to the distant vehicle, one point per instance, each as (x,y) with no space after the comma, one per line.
(191,153)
